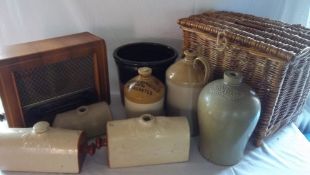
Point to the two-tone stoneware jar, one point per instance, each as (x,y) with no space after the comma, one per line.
(185,79)
(130,57)
(144,94)
(228,111)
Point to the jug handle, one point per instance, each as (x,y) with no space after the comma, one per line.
(206,66)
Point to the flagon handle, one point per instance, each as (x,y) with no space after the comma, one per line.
(206,65)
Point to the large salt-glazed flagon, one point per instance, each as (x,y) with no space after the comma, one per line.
(228,111)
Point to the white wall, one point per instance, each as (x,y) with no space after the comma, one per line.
(121,21)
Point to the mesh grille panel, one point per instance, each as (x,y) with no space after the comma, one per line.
(51,81)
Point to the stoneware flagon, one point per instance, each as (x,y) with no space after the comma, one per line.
(144,94)
(92,119)
(42,149)
(185,79)
(228,111)
(130,57)
(147,140)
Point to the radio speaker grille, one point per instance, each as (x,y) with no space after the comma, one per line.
(52,81)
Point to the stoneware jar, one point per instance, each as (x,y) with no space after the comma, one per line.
(147,140)
(228,111)
(144,94)
(130,57)
(185,79)
(42,149)
(92,119)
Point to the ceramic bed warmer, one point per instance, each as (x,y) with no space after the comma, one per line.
(42,149)
(147,140)
(228,111)
(92,119)
(185,79)
(144,94)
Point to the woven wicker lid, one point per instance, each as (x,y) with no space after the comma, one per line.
(253,32)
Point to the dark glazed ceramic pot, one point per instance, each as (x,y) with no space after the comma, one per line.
(130,57)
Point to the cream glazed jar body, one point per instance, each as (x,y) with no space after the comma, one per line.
(228,111)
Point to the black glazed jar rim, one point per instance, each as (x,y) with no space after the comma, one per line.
(144,54)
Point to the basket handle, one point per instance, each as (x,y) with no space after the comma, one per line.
(219,45)
(206,65)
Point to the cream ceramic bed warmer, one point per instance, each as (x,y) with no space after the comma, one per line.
(92,119)
(42,149)
(147,140)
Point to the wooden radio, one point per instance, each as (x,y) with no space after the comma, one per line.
(43,78)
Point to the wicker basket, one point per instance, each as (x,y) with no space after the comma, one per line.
(273,56)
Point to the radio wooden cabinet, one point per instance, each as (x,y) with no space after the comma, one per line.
(42,78)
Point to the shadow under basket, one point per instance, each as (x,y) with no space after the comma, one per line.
(273,57)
